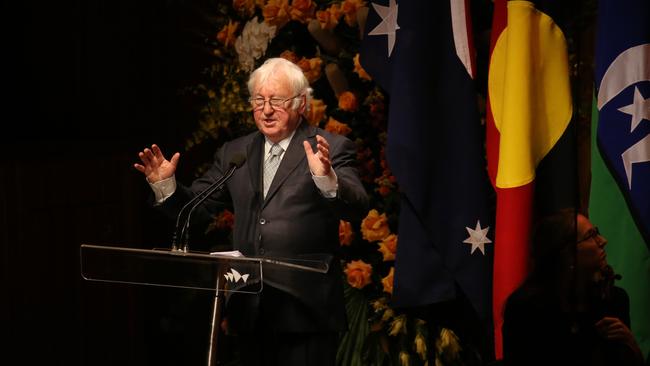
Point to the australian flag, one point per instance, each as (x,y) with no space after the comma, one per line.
(421,53)
(623,100)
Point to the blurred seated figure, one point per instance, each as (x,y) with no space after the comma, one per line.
(569,311)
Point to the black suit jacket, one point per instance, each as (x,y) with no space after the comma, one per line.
(295,220)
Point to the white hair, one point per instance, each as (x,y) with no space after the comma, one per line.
(293,73)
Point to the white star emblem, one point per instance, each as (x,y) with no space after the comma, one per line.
(639,109)
(477,237)
(388,25)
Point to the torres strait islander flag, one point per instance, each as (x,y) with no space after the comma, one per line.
(528,122)
(620,188)
(421,54)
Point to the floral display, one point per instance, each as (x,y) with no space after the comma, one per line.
(252,42)
(323,38)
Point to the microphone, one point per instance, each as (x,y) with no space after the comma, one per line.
(236,162)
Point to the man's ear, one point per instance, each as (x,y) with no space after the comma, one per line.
(303,104)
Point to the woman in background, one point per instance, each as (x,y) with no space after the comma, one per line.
(568,311)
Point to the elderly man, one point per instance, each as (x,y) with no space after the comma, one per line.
(297,182)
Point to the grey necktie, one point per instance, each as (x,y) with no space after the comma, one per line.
(271,166)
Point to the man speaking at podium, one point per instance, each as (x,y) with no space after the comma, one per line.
(295,184)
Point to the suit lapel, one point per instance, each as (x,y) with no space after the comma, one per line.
(254,153)
(292,157)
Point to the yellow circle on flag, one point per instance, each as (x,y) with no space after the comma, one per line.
(530,92)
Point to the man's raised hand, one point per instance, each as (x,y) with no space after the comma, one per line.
(155,166)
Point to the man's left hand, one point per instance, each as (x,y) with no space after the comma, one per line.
(319,161)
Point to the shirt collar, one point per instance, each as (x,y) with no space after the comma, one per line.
(284,144)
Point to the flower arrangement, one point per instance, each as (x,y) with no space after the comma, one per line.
(323,38)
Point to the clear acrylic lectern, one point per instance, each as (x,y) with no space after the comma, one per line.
(220,272)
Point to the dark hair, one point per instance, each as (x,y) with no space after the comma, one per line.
(553,245)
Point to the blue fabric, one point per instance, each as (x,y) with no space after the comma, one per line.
(435,150)
(622,27)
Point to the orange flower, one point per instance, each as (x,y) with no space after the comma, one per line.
(349,9)
(225,220)
(329,18)
(244,7)
(359,69)
(375,226)
(348,101)
(227,34)
(302,10)
(311,67)
(316,112)
(276,12)
(289,55)
(345,233)
(335,11)
(385,183)
(387,281)
(337,127)
(358,273)
(383,190)
(388,247)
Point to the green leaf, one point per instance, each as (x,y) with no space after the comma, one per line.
(356,306)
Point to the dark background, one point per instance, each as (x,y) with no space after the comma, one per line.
(85,86)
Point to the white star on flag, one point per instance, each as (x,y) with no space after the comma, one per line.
(477,237)
(639,109)
(388,25)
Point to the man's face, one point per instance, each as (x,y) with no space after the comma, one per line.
(276,123)
(590,247)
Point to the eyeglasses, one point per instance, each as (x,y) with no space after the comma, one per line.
(592,233)
(259,102)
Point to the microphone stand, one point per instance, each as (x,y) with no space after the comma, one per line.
(199,196)
(236,163)
(217,186)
